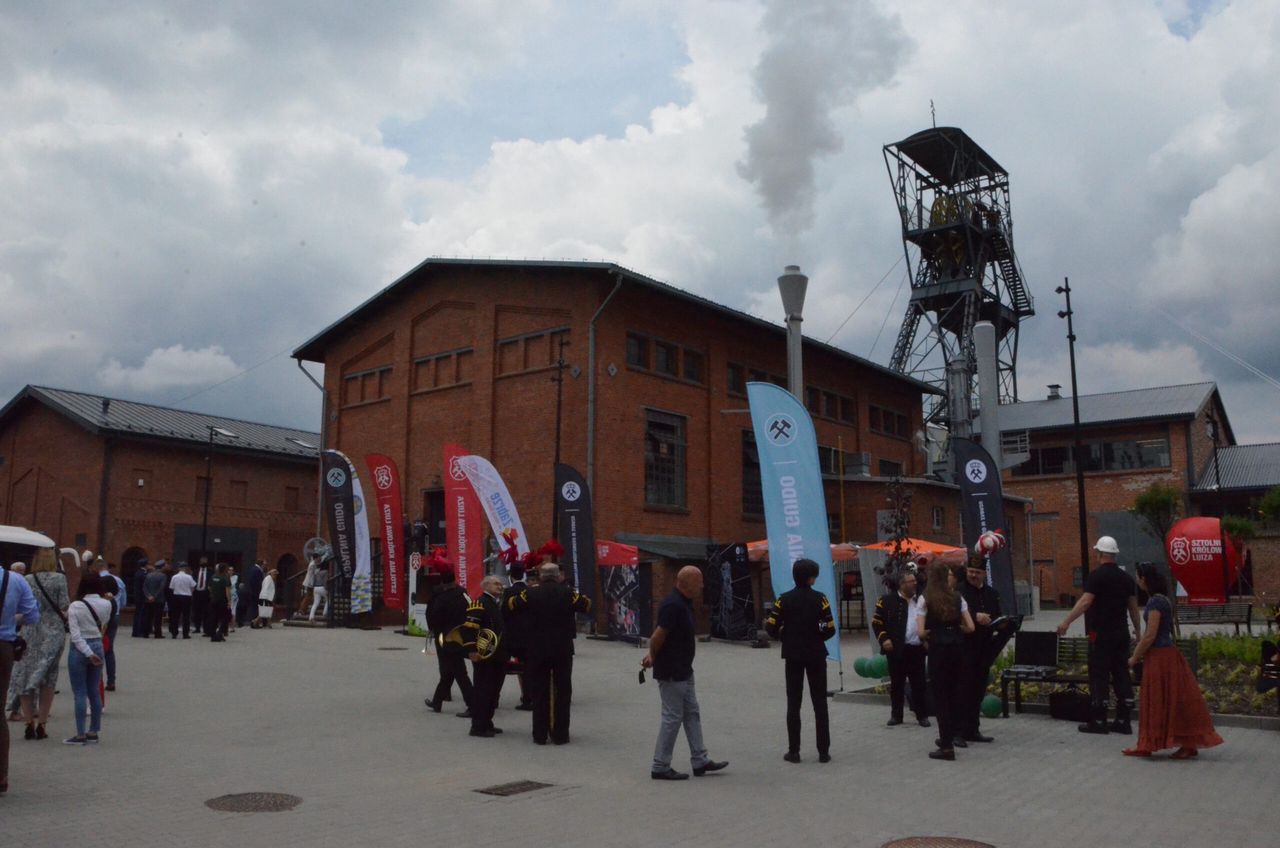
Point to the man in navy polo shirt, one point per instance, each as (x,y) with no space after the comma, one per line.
(671,649)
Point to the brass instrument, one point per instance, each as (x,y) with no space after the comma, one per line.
(466,639)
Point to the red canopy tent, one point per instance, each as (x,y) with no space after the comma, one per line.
(616,553)
(949,554)
(842,552)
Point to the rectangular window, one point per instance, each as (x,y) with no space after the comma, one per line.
(813,400)
(830,405)
(664,460)
(889,468)
(889,423)
(291,498)
(939,516)
(693,366)
(637,351)
(737,380)
(752,488)
(848,410)
(666,359)
(873,417)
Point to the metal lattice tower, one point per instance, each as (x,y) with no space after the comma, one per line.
(953,199)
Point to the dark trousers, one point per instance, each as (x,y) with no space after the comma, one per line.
(976,675)
(180,611)
(906,662)
(453,667)
(1109,669)
(245,611)
(6,670)
(816,672)
(155,619)
(110,644)
(550,685)
(489,675)
(221,617)
(946,682)
(200,612)
(139,618)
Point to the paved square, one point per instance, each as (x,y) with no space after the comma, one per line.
(336,717)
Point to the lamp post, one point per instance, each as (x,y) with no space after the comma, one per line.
(1078,449)
(1212,424)
(208,484)
(792,285)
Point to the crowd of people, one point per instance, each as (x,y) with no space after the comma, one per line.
(212,600)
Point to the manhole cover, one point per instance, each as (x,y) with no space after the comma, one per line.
(935,842)
(506,789)
(392,648)
(254,802)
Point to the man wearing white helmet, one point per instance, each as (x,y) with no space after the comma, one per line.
(1108,594)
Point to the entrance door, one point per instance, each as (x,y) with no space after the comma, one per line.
(433,509)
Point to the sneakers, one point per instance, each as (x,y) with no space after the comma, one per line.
(75,740)
(91,739)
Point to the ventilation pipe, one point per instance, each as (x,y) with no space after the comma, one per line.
(984,350)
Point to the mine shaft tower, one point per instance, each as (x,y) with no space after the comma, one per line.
(957,233)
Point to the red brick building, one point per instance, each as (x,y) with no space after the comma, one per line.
(128,480)
(1132,439)
(654,404)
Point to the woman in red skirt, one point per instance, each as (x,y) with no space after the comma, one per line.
(1173,713)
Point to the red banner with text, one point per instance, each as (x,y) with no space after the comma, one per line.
(464,522)
(386,483)
(1194,548)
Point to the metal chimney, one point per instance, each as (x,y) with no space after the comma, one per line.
(106,406)
(1055,391)
(984,351)
(792,285)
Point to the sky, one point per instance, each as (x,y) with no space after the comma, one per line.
(188,191)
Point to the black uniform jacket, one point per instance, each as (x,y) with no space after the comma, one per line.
(890,619)
(802,619)
(548,610)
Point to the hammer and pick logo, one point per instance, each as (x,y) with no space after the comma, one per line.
(455,470)
(382,477)
(571,491)
(1180,550)
(336,477)
(975,470)
(781,429)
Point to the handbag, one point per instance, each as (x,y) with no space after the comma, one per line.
(66,625)
(19,644)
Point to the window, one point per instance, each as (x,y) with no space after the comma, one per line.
(833,527)
(693,366)
(1077,576)
(664,460)
(1097,455)
(829,460)
(889,468)
(889,423)
(666,359)
(752,488)
(291,498)
(848,410)
(637,351)
(813,400)
(737,380)
(939,517)
(82,539)
(830,405)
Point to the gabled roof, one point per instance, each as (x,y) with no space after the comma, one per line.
(1243,467)
(145,420)
(1164,403)
(312,350)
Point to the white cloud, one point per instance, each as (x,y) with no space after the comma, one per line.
(168,368)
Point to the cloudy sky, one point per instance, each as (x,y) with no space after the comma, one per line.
(189,190)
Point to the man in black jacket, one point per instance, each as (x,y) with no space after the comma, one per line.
(446,611)
(485,614)
(984,607)
(894,624)
(549,610)
(514,631)
(802,619)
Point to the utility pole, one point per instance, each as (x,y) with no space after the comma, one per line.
(1078,450)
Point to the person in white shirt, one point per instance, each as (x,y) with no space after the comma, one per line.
(181,585)
(87,620)
(267,598)
(318,575)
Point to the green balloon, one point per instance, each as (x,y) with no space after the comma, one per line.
(991,706)
(860,667)
(880,666)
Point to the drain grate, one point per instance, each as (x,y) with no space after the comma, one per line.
(935,842)
(254,802)
(392,648)
(507,789)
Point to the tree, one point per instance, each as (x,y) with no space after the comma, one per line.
(1159,507)
(1240,529)
(1269,506)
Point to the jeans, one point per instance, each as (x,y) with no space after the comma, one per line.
(110,658)
(679,708)
(84,683)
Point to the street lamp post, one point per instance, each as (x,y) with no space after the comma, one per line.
(208,484)
(1078,449)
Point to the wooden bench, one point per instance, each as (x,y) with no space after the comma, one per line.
(1232,612)
(1073,651)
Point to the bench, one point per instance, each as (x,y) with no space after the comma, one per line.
(1232,612)
(1073,651)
